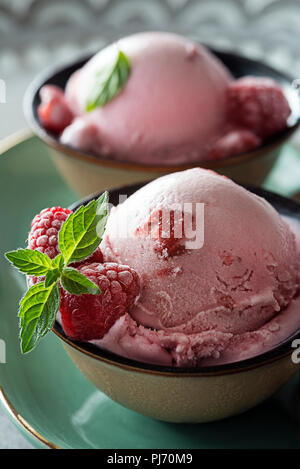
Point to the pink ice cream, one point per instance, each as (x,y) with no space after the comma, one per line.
(230,298)
(167,101)
(171,110)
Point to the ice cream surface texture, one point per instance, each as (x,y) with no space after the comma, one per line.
(197,301)
(171,109)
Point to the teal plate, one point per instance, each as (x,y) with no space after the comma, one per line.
(44,393)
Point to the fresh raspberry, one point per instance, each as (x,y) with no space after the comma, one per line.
(43,235)
(89,317)
(45,226)
(54,112)
(234,143)
(258,104)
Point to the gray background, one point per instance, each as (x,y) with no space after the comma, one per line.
(35,34)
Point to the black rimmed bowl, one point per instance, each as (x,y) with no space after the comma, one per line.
(187,394)
(86,172)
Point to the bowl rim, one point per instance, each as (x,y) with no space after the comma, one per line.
(31,95)
(279,352)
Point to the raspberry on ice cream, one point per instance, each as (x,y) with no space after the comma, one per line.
(88,317)
(258,104)
(43,235)
(54,112)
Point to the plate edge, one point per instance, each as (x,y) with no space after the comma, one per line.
(14,139)
(11,410)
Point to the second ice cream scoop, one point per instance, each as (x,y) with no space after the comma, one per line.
(171,109)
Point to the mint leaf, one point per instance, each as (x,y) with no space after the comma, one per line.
(79,237)
(109,81)
(77,284)
(51,277)
(29,262)
(37,314)
(58,262)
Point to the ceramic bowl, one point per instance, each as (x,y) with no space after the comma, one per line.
(180,394)
(87,173)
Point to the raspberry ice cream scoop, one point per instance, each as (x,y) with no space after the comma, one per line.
(170,110)
(167,101)
(244,273)
(241,277)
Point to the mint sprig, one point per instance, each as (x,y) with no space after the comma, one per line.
(53,275)
(79,237)
(109,82)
